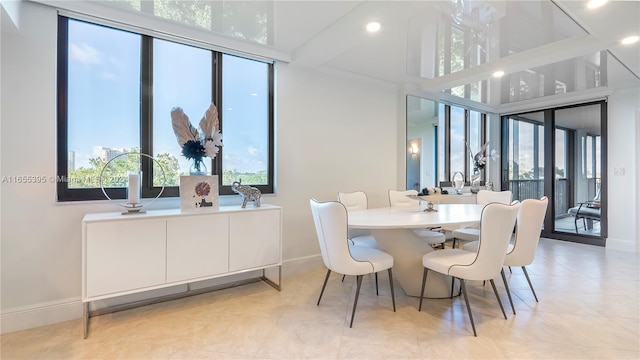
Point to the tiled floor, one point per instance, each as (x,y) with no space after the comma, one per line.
(589,309)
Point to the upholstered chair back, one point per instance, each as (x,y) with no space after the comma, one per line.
(528,226)
(485,197)
(356,200)
(399,199)
(330,220)
(496,226)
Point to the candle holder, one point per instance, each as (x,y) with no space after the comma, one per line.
(133,183)
(134,179)
(457,180)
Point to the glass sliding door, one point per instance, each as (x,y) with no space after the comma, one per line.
(560,153)
(578,210)
(524,147)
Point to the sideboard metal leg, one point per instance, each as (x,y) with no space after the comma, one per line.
(270,282)
(85,310)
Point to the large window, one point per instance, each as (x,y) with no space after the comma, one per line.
(116,90)
(463,135)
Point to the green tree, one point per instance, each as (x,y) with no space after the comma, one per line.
(115,174)
(171,168)
(259,178)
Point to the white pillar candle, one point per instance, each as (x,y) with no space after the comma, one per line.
(134,188)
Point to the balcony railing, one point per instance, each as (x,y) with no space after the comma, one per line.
(534,189)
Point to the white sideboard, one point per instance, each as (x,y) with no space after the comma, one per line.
(127,254)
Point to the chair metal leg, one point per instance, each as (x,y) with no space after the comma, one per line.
(424,281)
(506,286)
(376,276)
(326,278)
(466,300)
(453,244)
(343,277)
(530,285)
(495,290)
(393,296)
(355,302)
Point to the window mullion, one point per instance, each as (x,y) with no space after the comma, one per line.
(146,116)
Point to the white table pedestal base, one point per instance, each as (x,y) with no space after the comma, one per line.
(407,250)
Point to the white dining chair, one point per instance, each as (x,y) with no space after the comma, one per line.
(354,201)
(472,233)
(496,226)
(357,200)
(330,219)
(522,252)
(399,199)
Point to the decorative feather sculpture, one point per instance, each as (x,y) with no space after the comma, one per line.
(479,159)
(209,124)
(197,145)
(182,127)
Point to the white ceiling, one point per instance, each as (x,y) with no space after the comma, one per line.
(524,38)
(331,34)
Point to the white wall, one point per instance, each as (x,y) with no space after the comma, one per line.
(332,134)
(624,201)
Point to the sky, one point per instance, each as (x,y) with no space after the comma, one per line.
(104,96)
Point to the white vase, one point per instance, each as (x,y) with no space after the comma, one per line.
(475,181)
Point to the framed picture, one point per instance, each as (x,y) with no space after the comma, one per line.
(199,193)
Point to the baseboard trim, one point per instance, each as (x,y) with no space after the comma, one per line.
(621,245)
(27,317)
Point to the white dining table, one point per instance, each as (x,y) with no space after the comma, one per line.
(393,230)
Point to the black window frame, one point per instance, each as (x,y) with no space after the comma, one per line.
(64,193)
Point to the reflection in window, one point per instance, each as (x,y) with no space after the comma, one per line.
(576,74)
(247,20)
(457,50)
(192,13)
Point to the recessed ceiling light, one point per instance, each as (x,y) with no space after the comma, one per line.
(630,40)
(498,73)
(374,26)
(596,3)
(254,94)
